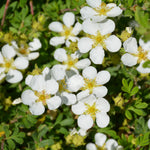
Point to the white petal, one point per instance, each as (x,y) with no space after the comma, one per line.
(100,91)
(46,73)
(28,79)
(85,44)
(57,40)
(82,94)
(82,132)
(78,108)
(119,147)
(100,139)
(28,97)
(130,45)
(69,19)
(111,144)
(129,60)
(33,56)
(14,76)
(97,55)
(98,18)
(103,105)
(83,63)
(37,83)
(2,70)
(144,45)
(148,123)
(106,26)
(85,122)
(17,101)
(1,58)
(148,55)
(75,83)
(102,120)
(51,86)
(115,11)
(102,77)
(35,44)
(91,146)
(53,103)
(90,27)
(58,72)
(89,72)
(113,43)
(2,76)
(56,26)
(60,55)
(94,4)
(21,63)
(68,99)
(37,108)
(141,69)
(77,28)
(8,51)
(87,12)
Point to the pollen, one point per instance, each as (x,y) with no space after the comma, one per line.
(67,32)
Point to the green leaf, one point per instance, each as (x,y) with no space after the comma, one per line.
(11,144)
(134,91)
(63,131)
(146,64)
(143,140)
(18,140)
(59,118)
(137,111)
(47,142)
(128,114)
(67,122)
(130,2)
(141,105)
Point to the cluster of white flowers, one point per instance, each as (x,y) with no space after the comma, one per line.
(13,59)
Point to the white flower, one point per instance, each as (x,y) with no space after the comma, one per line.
(148,123)
(101,143)
(27,50)
(41,94)
(89,109)
(136,55)
(66,31)
(90,82)
(9,66)
(98,37)
(99,10)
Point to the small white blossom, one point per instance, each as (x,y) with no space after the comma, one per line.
(66,31)
(98,10)
(136,55)
(98,38)
(91,109)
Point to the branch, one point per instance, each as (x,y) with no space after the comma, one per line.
(31,7)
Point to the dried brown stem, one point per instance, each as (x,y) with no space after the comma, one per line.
(31,7)
(67,9)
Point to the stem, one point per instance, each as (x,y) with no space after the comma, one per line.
(31,7)
(3,20)
(67,9)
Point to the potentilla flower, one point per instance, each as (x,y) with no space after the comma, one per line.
(91,109)
(42,93)
(99,10)
(102,144)
(27,50)
(70,62)
(10,66)
(136,55)
(90,82)
(66,30)
(98,38)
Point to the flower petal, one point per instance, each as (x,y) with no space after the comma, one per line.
(129,60)
(35,44)
(78,108)
(148,123)
(85,122)
(103,105)
(100,91)
(53,103)
(56,26)
(141,69)
(60,55)
(14,76)
(28,79)
(97,55)
(28,97)
(82,94)
(113,43)
(89,72)
(111,144)
(85,44)
(77,28)
(102,77)
(144,45)
(37,108)
(57,40)
(8,51)
(21,63)
(1,58)
(91,146)
(102,119)
(94,4)
(83,63)
(115,11)
(100,139)
(130,45)
(33,56)
(98,18)
(69,19)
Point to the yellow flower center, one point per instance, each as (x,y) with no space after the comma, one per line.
(99,39)
(91,110)
(70,62)
(23,51)
(103,9)
(67,32)
(62,86)
(42,96)
(102,148)
(73,47)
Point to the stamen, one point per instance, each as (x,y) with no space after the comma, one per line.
(67,32)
